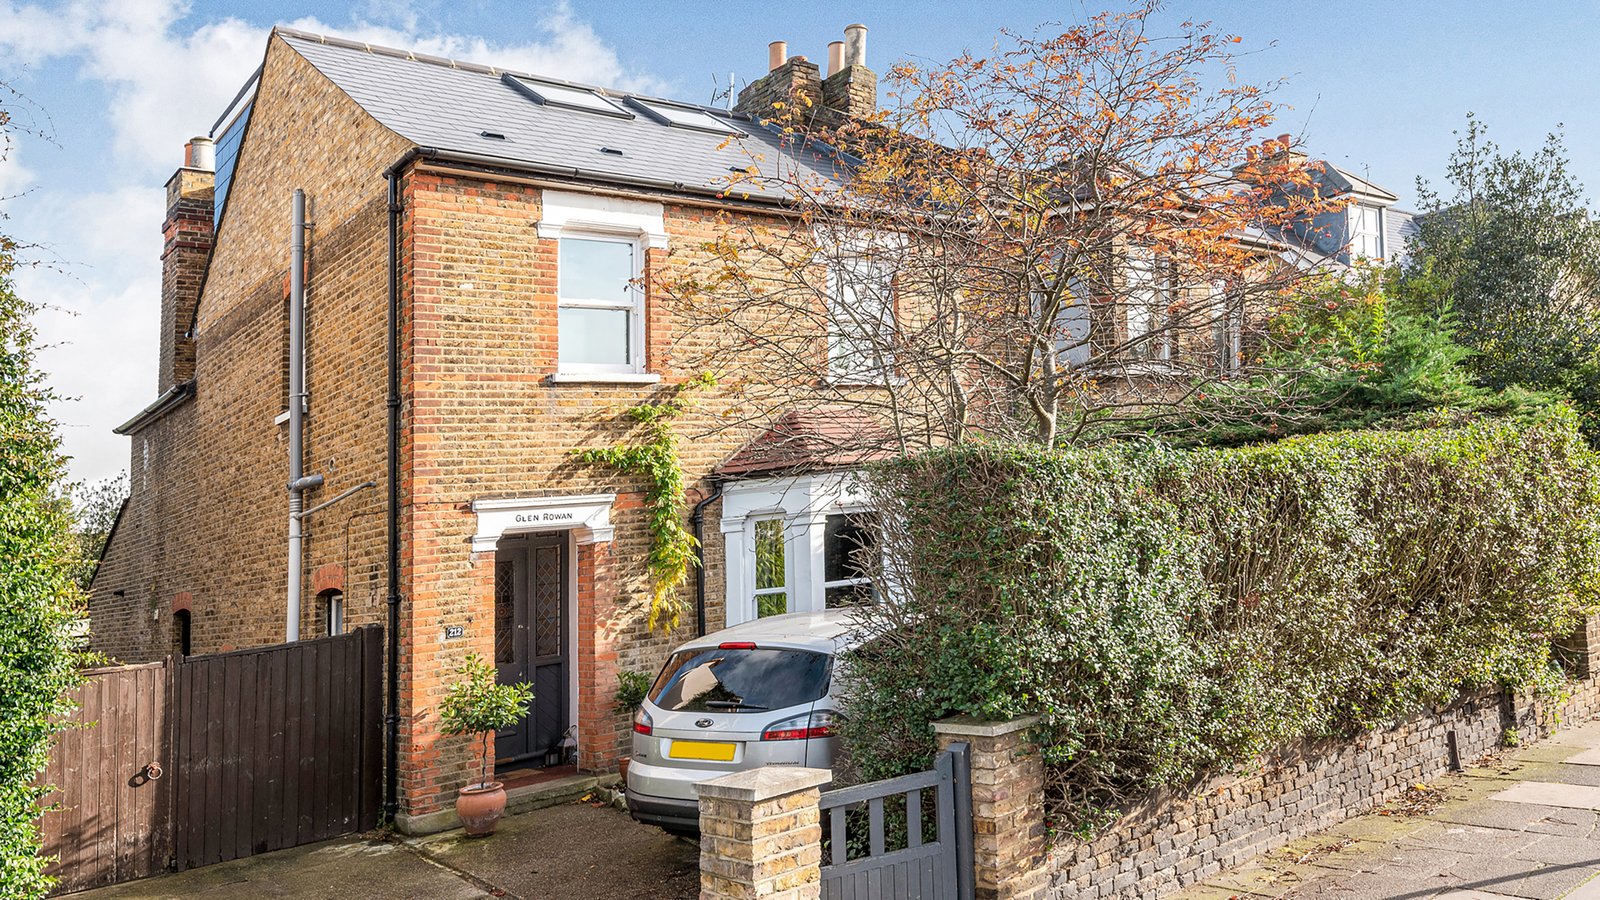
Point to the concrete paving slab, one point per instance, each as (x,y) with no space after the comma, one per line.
(1471,839)
(1544,793)
(1555,849)
(1589,890)
(1515,878)
(1590,757)
(1519,817)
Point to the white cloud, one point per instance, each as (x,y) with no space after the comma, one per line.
(167,82)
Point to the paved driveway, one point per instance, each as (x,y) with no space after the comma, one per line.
(1524,826)
(570,852)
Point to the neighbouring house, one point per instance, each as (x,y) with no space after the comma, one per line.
(1370,227)
(481,285)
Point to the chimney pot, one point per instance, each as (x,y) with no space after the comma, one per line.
(200,153)
(777,54)
(835,57)
(1287,140)
(855,45)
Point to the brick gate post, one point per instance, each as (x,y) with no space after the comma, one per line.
(1010,848)
(761,834)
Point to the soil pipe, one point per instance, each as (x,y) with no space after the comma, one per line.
(697,522)
(391,721)
(299,483)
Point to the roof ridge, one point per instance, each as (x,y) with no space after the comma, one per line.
(485,69)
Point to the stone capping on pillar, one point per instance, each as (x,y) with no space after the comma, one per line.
(1010,845)
(761,834)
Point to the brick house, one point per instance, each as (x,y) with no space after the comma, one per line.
(517,226)
(482,296)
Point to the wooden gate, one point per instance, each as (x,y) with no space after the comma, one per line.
(897,856)
(111,819)
(204,759)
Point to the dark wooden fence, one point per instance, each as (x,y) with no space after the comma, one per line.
(204,759)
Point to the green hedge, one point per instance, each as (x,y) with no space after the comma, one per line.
(1177,612)
(40,606)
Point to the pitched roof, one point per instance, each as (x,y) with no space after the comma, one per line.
(802,440)
(486,111)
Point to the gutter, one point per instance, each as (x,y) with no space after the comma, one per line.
(564,172)
(697,522)
(170,399)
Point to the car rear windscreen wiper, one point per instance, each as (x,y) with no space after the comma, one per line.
(734,704)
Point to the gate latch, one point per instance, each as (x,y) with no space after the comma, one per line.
(153,771)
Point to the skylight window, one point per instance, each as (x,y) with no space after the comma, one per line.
(569,96)
(685,117)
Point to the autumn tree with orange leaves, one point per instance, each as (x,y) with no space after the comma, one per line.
(1026,245)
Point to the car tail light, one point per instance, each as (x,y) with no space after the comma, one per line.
(642,723)
(816,725)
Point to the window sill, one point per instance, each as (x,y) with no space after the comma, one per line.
(604,378)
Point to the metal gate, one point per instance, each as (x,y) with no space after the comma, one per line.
(204,759)
(878,843)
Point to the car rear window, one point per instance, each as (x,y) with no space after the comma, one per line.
(735,680)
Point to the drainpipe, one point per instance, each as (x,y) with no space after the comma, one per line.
(697,522)
(299,483)
(391,721)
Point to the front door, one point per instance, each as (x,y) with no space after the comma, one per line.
(530,642)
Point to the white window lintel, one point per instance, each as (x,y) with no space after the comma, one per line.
(572,214)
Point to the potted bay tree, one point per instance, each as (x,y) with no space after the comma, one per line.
(476,705)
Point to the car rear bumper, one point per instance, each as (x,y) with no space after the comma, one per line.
(681,816)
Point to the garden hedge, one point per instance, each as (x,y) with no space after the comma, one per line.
(1177,612)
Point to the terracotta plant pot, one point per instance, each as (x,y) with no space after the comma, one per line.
(622,770)
(480,806)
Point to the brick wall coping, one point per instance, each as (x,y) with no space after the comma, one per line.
(757,785)
(971,726)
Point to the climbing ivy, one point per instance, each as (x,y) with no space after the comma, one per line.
(655,459)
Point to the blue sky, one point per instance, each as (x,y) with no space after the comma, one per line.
(1376,87)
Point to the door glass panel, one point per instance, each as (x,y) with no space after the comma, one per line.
(547,601)
(505,612)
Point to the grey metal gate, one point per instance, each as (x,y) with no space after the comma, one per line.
(894,857)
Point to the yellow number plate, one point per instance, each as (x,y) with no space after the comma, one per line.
(717,751)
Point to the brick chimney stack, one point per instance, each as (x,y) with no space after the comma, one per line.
(851,88)
(187,236)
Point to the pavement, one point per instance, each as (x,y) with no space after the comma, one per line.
(1524,824)
(575,851)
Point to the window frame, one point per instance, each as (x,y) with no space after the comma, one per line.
(874,372)
(333,613)
(634,307)
(753,593)
(1356,214)
(828,584)
(1159,287)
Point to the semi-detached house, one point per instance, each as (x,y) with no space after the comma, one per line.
(484,255)
(502,236)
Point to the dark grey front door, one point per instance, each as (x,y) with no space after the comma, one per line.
(530,641)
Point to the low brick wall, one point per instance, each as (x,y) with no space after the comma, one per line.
(1177,838)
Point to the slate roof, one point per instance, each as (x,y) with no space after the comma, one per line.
(448,105)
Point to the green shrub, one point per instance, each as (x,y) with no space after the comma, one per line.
(1177,612)
(475,704)
(632,688)
(40,605)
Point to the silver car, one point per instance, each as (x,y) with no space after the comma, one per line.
(756,694)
